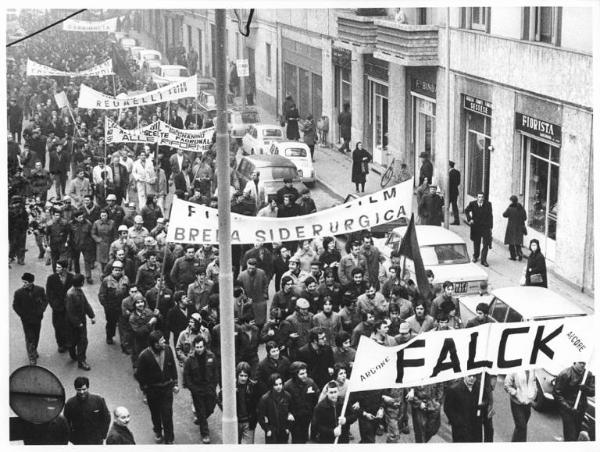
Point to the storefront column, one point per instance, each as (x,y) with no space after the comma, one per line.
(328,85)
(358,95)
(397,114)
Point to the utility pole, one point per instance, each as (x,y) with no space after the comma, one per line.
(242,55)
(230,435)
(446,165)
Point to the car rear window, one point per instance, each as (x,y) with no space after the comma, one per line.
(295,152)
(445,254)
(272,133)
(250,117)
(513,316)
(278,172)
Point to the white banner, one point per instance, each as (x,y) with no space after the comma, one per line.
(499,348)
(162,133)
(35,69)
(198,224)
(109,25)
(61,99)
(89,98)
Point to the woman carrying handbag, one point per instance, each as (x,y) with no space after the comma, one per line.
(360,166)
(535,271)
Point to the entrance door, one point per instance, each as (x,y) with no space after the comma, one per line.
(541,193)
(478,165)
(379,121)
(424,130)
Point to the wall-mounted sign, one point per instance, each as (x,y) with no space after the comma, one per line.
(422,87)
(538,128)
(483,107)
(243,70)
(342,57)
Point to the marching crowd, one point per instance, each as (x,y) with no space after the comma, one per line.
(110,205)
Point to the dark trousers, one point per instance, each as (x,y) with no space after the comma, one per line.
(486,238)
(160,403)
(367,430)
(312,151)
(60,184)
(54,257)
(61,328)
(425,424)
(112,318)
(466,433)
(277,438)
(79,343)
(515,251)
(204,405)
(32,338)
(17,244)
(488,430)
(125,333)
(345,145)
(520,414)
(300,429)
(571,424)
(454,204)
(88,261)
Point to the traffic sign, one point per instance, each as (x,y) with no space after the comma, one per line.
(243,69)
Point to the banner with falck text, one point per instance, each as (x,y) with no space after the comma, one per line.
(108,25)
(90,98)
(39,70)
(161,133)
(198,224)
(497,348)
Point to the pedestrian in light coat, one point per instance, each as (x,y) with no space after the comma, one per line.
(103,233)
(515,229)
(522,388)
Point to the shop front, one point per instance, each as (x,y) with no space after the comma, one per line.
(478,122)
(423,111)
(541,149)
(302,76)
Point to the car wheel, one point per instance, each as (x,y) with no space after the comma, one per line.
(541,403)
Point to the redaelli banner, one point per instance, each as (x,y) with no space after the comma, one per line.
(498,348)
(161,133)
(109,25)
(90,98)
(39,70)
(198,224)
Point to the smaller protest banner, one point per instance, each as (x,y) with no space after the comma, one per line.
(61,99)
(90,98)
(108,25)
(39,70)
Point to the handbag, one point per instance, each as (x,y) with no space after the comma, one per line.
(536,278)
(364,167)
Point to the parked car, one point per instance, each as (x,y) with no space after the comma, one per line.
(521,304)
(206,83)
(169,73)
(299,153)
(259,137)
(444,252)
(134,53)
(149,57)
(273,170)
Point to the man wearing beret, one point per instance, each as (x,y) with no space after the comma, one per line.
(30,303)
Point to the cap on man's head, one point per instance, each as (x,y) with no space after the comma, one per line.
(305,191)
(122,228)
(302,303)
(117,264)
(287,180)
(252,261)
(150,241)
(67,198)
(111,197)
(28,277)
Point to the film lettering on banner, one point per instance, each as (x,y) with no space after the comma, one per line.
(39,70)
(162,133)
(89,98)
(497,348)
(109,25)
(198,224)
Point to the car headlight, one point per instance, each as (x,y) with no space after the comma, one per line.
(300,172)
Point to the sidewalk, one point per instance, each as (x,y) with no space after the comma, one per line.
(333,173)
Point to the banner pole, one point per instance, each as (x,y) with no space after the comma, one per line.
(344,407)
(479,402)
(578,398)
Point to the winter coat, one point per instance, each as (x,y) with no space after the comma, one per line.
(310,134)
(112,292)
(536,264)
(56,291)
(119,434)
(81,236)
(431,209)
(267,367)
(103,233)
(345,122)
(77,307)
(359,175)
(516,224)
(30,304)
(273,412)
(89,419)
(318,362)
(292,117)
(201,374)
(304,396)
(460,406)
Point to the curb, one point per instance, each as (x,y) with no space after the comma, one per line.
(330,190)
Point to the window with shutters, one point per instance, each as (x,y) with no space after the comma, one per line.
(542,24)
(475,18)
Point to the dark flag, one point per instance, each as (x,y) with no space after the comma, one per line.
(409,248)
(119,65)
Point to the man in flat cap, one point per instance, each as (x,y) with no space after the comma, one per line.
(30,303)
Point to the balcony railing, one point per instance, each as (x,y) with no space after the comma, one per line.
(357,30)
(409,45)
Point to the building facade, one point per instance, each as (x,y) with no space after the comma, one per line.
(520,98)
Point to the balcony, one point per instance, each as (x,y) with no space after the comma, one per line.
(357,31)
(407,45)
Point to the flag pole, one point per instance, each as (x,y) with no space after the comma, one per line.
(344,407)
(479,402)
(578,398)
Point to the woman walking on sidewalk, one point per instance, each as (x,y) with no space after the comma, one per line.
(535,272)
(360,166)
(515,229)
